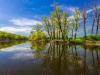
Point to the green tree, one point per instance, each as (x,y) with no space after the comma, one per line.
(65,25)
(57,15)
(47,26)
(72,26)
(37,33)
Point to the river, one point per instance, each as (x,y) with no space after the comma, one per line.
(48,59)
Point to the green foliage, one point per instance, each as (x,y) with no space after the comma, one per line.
(47,27)
(37,27)
(37,33)
(5,36)
(76,14)
(59,25)
(38,46)
(37,36)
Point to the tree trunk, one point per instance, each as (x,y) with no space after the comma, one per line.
(93,26)
(97,28)
(75,33)
(85,29)
(72,33)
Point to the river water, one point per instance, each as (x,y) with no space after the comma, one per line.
(48,59)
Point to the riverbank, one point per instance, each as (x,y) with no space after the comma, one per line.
(6,36)
(83,42)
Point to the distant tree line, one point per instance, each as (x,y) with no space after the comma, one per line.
(5,36)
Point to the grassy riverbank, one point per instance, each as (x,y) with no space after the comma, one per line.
(92,40)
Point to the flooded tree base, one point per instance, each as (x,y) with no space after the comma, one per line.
(87,42)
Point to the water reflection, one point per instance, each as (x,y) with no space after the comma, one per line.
(49,59)
(71,60)
(38,45)
(39,48)
(10,43)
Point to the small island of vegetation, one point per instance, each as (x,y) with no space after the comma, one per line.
(59,27)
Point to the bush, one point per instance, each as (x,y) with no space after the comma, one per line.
(37,36)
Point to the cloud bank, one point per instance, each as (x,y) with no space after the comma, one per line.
(16,29)
(24,22)
(20,25)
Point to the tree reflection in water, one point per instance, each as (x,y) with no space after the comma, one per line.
(10,43)
(38,48)
(63,59)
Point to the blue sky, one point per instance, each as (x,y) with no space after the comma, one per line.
(18,16)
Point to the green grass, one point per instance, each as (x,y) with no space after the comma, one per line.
(89,37)
(93,37)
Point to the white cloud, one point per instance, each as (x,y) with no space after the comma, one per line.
(72,9)
(24,22)
(71,17)
(68,8)
(16,29)
(90,10)
(19,51)
(20,26)
(22,55)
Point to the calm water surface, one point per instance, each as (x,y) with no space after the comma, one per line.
(48,59)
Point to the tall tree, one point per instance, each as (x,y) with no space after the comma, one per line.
(98,24)
(94,17)
(76,17)
(65,25)
(84,15)
(53,25)
(72,26)
(58,15)
(47,27)
(92,31)
(37,33)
